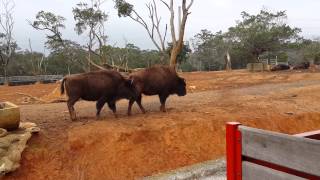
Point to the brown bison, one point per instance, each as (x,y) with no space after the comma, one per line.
(159,80)
(101,86)
(303,65)
(280,67)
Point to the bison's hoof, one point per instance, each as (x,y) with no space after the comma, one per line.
(163,109)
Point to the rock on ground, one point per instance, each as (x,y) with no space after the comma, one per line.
(12,145)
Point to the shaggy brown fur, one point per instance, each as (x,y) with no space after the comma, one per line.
(101,86)
(159,80)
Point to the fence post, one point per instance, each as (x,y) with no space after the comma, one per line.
(233,145)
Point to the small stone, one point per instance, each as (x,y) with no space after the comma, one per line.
(192,87)
(26,125)
(289,113)
(34,129)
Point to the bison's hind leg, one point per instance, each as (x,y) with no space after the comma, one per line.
(99,105)
(71,101)
(138,100)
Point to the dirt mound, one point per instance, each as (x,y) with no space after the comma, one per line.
(139,151)
(55,95)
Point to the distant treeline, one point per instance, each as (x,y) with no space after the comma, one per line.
(262,36)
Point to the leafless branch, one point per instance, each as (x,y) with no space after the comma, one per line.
(154,27)
(190,4)
(166,4)
(173,31)
(6,26)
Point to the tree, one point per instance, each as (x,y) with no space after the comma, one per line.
(311,50)
(263,32)
(177,44)
(184,53)
(91,19)
(210,49)
(7,43)
(157,37)
(126,9)
(47,21)
(38,61)
(53,24)
(72,58)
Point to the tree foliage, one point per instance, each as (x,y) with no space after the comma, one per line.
(265,31)
(91,19)
(48,21)
(124,8)
(8,45)
(88,17)
(184,53)
(311,50)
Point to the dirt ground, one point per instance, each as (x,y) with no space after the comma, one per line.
(193,129)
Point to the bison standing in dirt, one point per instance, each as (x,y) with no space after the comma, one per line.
(159,80)
(303,65)
(280,67)
(101,86)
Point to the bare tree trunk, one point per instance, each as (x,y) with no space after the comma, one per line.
(152,28)
(227,60)
(5,75)
(177,44)
(89,61)
(173,57)
(68,68)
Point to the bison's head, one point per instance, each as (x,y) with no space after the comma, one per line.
(127,90)
(181,88)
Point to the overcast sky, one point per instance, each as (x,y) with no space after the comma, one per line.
(213,15)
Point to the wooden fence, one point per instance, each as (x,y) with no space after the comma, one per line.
(258,154)
(23,80)
(273,62)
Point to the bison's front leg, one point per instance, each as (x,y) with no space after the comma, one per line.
(131,101)
(163,99)
(138,100)
(112,106)
(140,105)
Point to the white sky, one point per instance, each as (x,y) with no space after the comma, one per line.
(213,15)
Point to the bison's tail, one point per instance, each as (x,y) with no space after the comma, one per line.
(62,86)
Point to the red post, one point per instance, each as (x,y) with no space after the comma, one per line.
(233,143)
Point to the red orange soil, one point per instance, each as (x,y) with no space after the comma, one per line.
(191,131)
